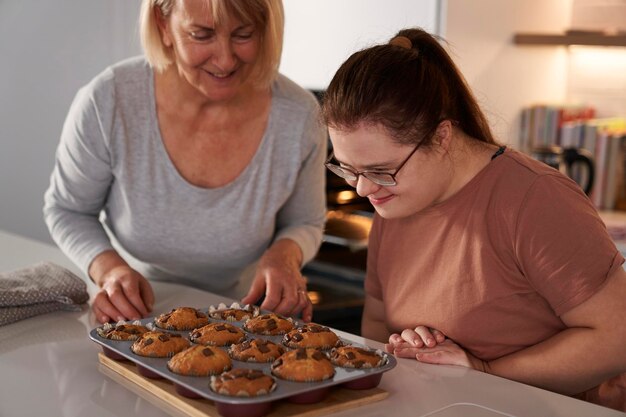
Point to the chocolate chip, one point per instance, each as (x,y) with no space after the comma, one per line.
(358,364)
(207,352)
(164,337)
(297,337)
(220,327)
(254,374)
(350,355)
(148,342)
(317,355)
(263,348)
(301,354)
(315,329)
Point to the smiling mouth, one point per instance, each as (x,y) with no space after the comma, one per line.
(382,200)
(221,75)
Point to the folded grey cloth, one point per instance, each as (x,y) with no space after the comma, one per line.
(39,289)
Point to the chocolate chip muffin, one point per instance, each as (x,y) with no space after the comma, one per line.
(303,365)
(200,360)
(311,336)
(269,324)
(357,357)
(243,383)
(233,313)
(181,318)
(256,350)
(158,344)
(122,331)
(217,334)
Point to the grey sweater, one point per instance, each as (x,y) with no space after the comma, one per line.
(114,186)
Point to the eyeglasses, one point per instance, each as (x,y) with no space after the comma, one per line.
(380,178)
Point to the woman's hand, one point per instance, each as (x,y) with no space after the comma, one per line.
(444,353)
(124,295)
(278,277)
(421,336)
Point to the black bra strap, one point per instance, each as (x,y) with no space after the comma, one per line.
(499,152)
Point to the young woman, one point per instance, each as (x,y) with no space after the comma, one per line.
(205,163)
(479,256)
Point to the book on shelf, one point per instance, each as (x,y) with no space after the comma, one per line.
(546,125)
(574,126)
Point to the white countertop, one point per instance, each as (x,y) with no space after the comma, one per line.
(49,367)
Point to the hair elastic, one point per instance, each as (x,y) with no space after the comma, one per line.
(401,41)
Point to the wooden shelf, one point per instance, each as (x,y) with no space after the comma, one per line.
(574,38)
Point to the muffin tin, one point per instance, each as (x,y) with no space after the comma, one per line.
(198,387)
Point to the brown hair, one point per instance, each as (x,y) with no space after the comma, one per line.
(407,90)
(266,15)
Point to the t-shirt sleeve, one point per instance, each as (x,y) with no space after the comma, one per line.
(373,286)
(561,243)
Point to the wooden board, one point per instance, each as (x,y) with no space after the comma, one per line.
(162,394)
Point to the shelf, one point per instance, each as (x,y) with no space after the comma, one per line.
(570,38)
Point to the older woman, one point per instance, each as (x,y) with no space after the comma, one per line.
(197,164)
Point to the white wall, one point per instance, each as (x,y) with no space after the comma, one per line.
(48,49)
(321,34)
(506,77)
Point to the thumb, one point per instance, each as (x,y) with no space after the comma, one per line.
(257,290)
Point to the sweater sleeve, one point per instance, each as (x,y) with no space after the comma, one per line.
(80,181)
(303,215)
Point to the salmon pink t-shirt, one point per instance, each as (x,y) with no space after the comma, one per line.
(496,265)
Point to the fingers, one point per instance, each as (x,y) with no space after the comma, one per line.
(439,336)
(406,352)
(104,310)
(257,289)
(119,299)
(421,336)
(133,293)
(273,296)
(307,311)
(289,301)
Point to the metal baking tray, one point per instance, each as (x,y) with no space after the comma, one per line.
(284,389)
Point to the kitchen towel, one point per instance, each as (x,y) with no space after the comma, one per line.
(41,288)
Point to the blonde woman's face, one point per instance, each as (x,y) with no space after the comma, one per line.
(216,60)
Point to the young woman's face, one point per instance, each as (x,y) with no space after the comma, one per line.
(421,182)
(216,60)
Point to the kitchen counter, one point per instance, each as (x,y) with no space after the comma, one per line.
(49,367)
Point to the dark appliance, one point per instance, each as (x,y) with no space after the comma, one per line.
(336,275)
(576,163)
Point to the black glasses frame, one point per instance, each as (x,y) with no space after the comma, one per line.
(376,177)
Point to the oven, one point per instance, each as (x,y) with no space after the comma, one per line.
(336,275)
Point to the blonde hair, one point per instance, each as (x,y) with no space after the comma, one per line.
(266,15)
